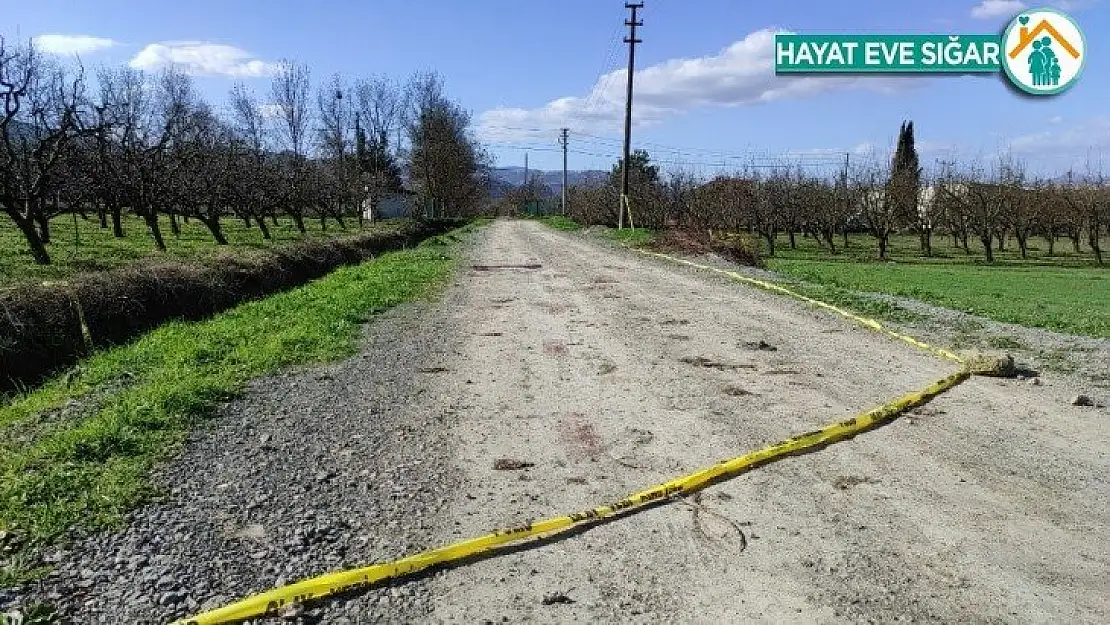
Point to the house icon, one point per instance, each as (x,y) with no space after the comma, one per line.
(1027,36)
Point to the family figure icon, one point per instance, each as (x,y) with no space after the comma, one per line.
(1044,51)
(1043,64)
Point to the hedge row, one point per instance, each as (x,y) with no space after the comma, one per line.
(41,324)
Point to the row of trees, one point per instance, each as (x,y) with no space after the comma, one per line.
(991,205)
(150,145)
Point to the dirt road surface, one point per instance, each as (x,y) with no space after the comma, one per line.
(609,372)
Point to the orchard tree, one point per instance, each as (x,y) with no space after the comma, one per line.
(447,164)
(43,114)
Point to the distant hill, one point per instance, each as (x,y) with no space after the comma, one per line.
(514,177)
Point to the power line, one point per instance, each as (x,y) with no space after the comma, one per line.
(605,76)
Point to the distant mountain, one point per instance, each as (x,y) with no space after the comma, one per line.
(514,177)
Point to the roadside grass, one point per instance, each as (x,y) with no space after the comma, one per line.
(635,237)
(559,222)
(855,302)
(98,249)
(1070,300)
(88,472)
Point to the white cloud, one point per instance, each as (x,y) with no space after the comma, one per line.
(54,43)
(741,74)
(201,58)
(989,9)
(1074,140)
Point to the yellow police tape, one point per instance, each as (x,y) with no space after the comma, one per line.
(271,602)
(778,288)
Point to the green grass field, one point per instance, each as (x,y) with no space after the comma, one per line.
(1067,293)
(90,469)
(94,249)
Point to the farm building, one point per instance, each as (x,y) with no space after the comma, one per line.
(390,205)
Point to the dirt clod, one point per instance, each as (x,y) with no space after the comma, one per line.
(556,597)
(993,365)
(702,361)
(511,464)
(761,345)
(844,482)
(1082,400)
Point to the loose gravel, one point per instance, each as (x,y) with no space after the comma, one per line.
(309,472)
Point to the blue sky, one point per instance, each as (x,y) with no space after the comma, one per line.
(707,95)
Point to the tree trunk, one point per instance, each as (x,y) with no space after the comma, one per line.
(298,220)
(770,238)
(883,240)
(27,227)
(927,241)
(262,226)
(1023,244)
(1092,239)
(988,250)
(102,212)
(845,238)
(1051,244)
(793,243)
(151,219)
(1074,236)
(1002,242)
(213,225)
(117,221)
(44,225)
(174,226)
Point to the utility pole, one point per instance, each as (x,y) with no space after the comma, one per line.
(631,40)
(563,141)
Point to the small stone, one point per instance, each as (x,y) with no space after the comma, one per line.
(1082,400)
(292,612)
(1033,381)
(173,597)
(556,597)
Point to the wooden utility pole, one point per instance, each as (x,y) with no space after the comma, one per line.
(631,40)
(563,142)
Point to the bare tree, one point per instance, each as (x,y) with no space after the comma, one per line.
(248,146)
(871,185)
(380,103)
(290,90)
(41,115)
(1087,198)
(446,161)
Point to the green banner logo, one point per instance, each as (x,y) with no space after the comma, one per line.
(1042,51)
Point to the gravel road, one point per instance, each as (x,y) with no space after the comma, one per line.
(606,372)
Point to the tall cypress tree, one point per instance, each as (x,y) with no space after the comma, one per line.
(905,175)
